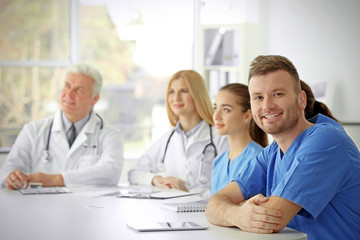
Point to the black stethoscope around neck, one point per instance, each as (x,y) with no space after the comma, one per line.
(161,165)
(46,157)
(211,144)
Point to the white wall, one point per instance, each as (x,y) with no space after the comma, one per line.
(322,39)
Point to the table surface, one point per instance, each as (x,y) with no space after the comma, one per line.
(88,214)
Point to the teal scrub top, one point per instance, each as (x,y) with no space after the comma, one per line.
(224,171)
(321,172)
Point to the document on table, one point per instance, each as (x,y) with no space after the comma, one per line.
(156,194)
(166,226)
(45,190)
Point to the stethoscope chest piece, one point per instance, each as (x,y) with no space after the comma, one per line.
(161,167)
(46,157)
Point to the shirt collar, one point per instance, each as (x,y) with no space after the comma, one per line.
(190,133)
(78,125)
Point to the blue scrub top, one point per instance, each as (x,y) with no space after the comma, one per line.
(224,172)
(321,172)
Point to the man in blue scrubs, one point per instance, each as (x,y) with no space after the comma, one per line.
(307,179)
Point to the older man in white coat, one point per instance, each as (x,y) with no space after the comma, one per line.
(72,147)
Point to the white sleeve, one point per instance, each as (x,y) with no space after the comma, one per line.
(146,167)
(107,169)
(20,154)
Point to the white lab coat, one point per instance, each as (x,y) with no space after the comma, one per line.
(180,161)
(81,164)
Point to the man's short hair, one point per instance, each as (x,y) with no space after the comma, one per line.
(264,64)
(90,71)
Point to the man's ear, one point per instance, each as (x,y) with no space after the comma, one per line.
(302,99)
(95,99)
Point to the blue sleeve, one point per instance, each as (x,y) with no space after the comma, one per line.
(320,168)
(252,180)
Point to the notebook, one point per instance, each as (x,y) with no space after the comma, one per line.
(45,190)
(196,206)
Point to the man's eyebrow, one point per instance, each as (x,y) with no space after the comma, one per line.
(255,94)
(274,90)
(278,89)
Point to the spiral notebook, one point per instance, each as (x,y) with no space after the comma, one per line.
(196,206)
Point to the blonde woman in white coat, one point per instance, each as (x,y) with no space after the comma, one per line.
(183,157)
(42,151)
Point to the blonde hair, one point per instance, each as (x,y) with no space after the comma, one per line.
(198,92)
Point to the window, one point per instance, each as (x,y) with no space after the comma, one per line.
(137,45)
(35,46)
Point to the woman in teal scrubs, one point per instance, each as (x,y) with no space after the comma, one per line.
(233,118)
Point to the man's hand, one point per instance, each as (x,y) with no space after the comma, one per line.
(254,218)
(16,179)
(229,208)
(48,180)
(169,182)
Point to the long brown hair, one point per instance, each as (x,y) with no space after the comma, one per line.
(313,106)
(243,100)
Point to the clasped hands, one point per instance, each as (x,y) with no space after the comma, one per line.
(169,182)
(251,217)
(17,179)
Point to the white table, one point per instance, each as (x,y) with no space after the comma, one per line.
(80,215)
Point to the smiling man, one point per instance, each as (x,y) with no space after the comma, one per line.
(72,147)
(307,179)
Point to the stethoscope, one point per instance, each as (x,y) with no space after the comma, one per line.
(46,157)
(161,165)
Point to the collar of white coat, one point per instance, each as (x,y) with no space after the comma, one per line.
(90,126)
(204,132)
